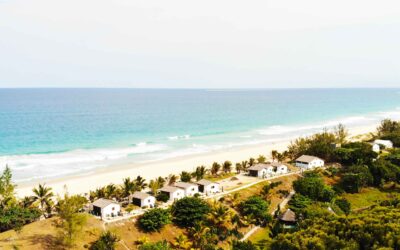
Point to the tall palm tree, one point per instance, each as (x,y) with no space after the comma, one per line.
(274,155)
(199,235)
(215,168)
(42,196)
(227,166)
(27,201)
(252,161)
(238,167)
(244,165)
(200,172)
(220,216)
(140,183)
(111,191)
(182,242)
(128,187)
(156,184)
(172,179)
(261,159)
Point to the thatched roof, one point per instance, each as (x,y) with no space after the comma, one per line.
(288,216)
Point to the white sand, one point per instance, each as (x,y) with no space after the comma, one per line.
(115,174)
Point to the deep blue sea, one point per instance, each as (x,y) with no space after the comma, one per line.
(55,132)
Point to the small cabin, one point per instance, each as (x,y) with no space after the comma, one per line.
(174,193)
(105,208)
(288,219)
(309,162)
(142,199)
(258,170)
(384,143)
(189,188)
(208,187)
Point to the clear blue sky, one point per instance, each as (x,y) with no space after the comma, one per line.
(199,44)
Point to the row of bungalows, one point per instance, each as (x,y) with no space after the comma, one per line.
(186,189)
(264,170)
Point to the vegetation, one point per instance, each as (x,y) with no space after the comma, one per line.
(256,208)
(154,219)
(106,241)
(188,211)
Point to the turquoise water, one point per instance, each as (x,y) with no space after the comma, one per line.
(53,132)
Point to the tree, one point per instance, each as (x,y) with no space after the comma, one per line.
(200,172)
(215,168)
(15,217)
(154,219)
(220,217)
(163,197)
(256,209)
(313,187)
(341,133)
(238,168)
(43,197)
(111,191)
(128,187)
(185,176)
(107,241)
(156,184)
(140,183)
(172,179)
(274,155)
(7,196)
(199,233)
(182,242)
(261,159)
(344,205)
(227,166)
(243,245)
(159,245)
(71,220)
(252,161)
(244,165)
(189,210)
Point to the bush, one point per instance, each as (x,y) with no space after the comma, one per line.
(243,245)
(189,210)
(344,205)
(16,217)
(163,197)
(160,245)
(154,219)
(106,241)
(256,208)
(313,187)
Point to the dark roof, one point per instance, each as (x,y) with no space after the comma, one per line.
(102,203)
(288,216)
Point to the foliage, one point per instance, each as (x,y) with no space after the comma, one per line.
(189,210)
(243,245)
(15,217)
(313,187)
(159,245)
(163,197)
(7,188)
(390,130)
(200,172)
(344,205)
(154,219)
(227,166)
(341,133)
(376,228)
(261,159)
(215,168)
(355,178)
(256,209)
(355,153)
(106,241)
(71,220)
(299,202)
(42,196)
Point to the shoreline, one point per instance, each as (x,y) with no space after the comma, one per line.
(83,183)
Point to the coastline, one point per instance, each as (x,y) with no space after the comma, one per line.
(83,183)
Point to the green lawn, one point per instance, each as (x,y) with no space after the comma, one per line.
(366,198)
(261,236)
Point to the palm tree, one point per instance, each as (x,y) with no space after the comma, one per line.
(111,191)
(154,186)
(27,201)
(128,187)
(199,235)
(219,216)
(140,183)
(43,197)
(161,181)
(244,165)
(261,159)
(215,168)
(185,176)
(172,179)
(227,166)
(182,242)
(274,154)
(252,161)
(200,172)
(280,157)
(238,167)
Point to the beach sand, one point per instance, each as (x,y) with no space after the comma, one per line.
(114,174)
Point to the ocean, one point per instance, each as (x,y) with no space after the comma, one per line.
(49,133)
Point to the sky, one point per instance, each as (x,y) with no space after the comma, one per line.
(199,44)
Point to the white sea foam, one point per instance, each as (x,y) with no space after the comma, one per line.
(177,137)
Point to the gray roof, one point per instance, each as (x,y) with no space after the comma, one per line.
(258,167)
(140,195)
(102,203)
(205,182)
(307,158)
(276,164)
(184,184)
(169,189)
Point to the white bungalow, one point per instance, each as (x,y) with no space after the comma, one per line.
(376,148)
(258,170)
(279,168)
(105,208)
(174,193)
(385,143)
(142,199)
(189,188)
(208,187)
(309,162)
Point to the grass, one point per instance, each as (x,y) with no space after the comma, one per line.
(261,236)
(367,197)
(43,235)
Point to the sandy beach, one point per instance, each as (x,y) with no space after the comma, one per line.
(114,174)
